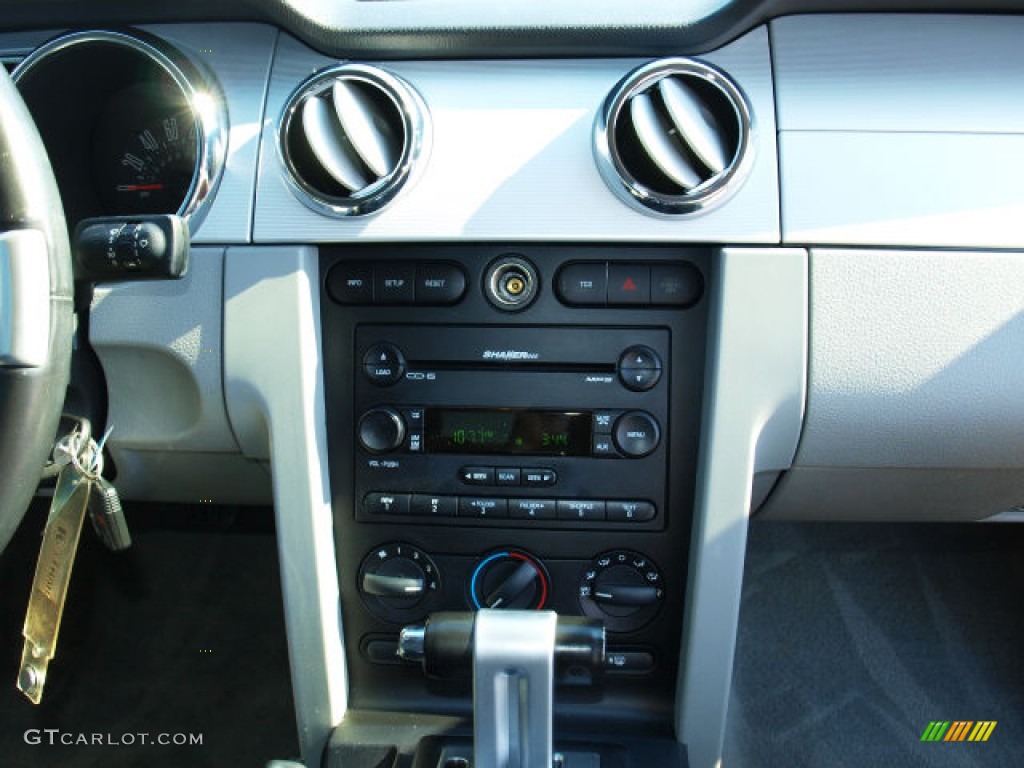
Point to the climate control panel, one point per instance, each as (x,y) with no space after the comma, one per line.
(400,583)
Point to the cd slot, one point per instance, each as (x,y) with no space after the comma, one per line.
(510,365)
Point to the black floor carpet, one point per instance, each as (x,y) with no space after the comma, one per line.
(180,637)
(853,638)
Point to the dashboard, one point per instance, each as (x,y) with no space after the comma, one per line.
(536,306)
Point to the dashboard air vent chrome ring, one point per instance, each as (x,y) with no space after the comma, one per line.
(350,138)
(674,137)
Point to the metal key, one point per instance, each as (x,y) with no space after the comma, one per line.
(56,559)
(107,516)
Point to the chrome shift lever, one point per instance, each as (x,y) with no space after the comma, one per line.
(513,688)
(513,656)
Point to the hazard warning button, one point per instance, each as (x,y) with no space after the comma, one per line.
(629,284)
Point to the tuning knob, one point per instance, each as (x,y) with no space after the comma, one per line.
(381,430)
(509,580)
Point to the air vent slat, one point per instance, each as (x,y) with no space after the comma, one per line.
(350,137)
(373,140)
(673,137)
(695,123)
(328,144)
(661,148)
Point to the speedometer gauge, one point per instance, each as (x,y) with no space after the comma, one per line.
(132,125)
(145,154)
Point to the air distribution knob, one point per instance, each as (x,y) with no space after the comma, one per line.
(381,429)
(622,587)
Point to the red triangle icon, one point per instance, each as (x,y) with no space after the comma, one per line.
(629,285)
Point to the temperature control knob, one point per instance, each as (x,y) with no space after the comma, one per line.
(624,588)
(381,430)
(396,580)
(509,580)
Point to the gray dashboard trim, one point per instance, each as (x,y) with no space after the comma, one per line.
(915,360)
(754,404)
(512,157)
(899,72)
(930,190)
(898,130)
(239,56)
(274,383)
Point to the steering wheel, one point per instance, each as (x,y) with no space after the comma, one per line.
(36,308)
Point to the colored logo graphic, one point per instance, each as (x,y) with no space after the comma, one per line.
(958,730)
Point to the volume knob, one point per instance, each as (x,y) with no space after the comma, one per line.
(381,430)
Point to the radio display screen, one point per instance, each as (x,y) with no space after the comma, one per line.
(507,431)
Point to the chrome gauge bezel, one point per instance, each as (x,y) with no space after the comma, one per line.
(199,91)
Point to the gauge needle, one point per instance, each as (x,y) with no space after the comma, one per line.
(139,187)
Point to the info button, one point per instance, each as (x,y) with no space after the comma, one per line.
(351,283)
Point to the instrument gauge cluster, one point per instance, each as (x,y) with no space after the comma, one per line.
(132,125)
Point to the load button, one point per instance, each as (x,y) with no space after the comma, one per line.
(636,434)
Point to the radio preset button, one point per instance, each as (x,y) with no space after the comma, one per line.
(580,509)
(630,511)
(539,477)
(386,503)
(384,364)
(507,476)
(477,475)
(433,506)
(532,509)
(478,506)
(636,434)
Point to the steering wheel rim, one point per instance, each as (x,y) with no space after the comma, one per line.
(36,308)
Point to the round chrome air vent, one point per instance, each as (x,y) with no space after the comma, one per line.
(673,137)
(350,137)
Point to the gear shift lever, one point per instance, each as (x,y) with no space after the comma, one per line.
(513,656)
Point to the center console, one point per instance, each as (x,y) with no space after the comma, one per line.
(515,427)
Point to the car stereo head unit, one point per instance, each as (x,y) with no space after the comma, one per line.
(511,426)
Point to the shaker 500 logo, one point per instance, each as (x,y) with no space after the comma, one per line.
(509,354)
